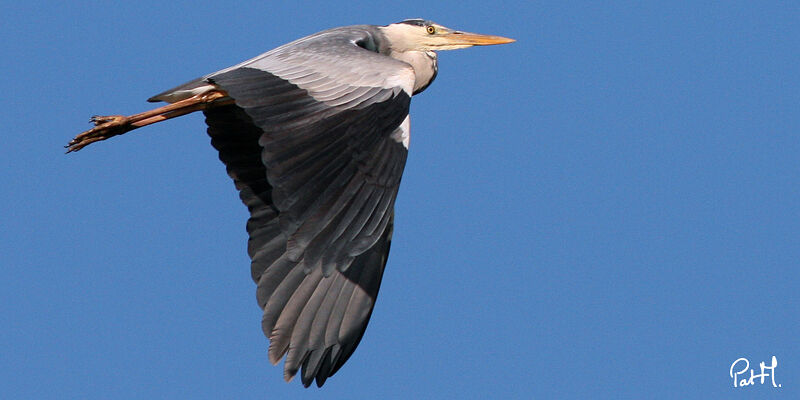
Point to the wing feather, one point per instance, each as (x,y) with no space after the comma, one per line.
(311,144)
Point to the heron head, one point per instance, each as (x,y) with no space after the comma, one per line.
(423,35)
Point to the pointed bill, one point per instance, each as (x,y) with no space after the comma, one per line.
(474,39)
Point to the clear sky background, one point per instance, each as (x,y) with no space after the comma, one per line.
(607,208)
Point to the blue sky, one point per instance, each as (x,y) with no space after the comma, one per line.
(607,208)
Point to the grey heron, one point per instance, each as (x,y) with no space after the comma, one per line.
(315,135)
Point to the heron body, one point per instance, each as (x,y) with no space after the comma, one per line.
(315,135)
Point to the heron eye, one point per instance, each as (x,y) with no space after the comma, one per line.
(431,29)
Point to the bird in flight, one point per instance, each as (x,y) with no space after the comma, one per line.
(315,136)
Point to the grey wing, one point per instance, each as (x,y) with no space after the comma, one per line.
(317,155)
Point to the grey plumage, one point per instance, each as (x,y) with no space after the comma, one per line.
(323,175)
(326,198)
(315,136)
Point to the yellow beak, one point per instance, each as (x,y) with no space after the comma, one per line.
(459,38)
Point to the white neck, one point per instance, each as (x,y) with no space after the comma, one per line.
(424,64)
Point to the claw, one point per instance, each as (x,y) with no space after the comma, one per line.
(102,119)
(105,127)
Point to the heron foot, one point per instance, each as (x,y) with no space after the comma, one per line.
(106,126)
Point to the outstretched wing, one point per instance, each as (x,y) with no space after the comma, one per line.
(316,143)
